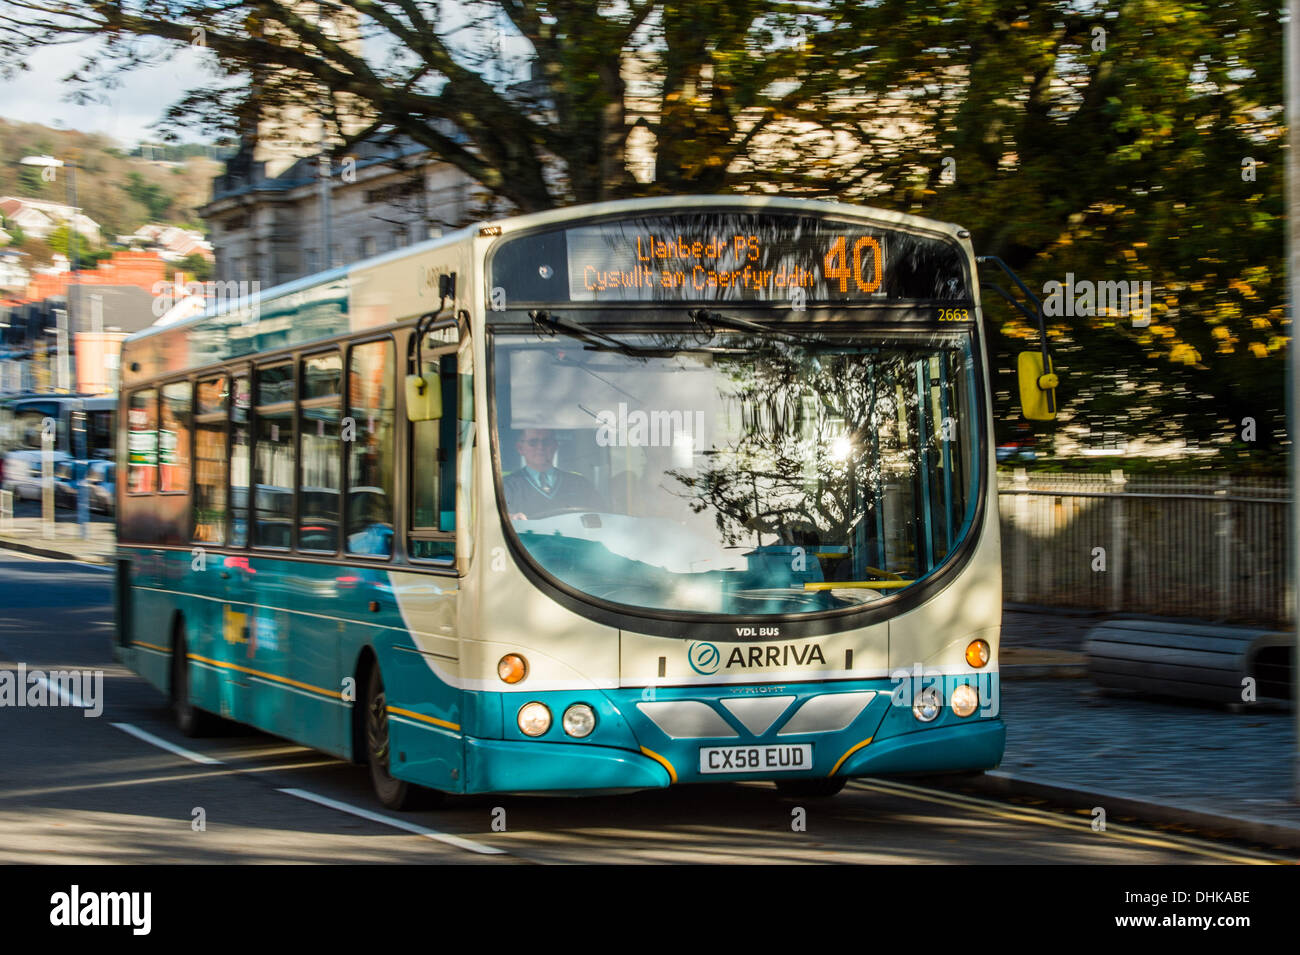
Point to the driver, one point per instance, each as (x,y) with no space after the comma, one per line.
(539,487)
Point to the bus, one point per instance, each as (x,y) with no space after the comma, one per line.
(82,426)
(609,498)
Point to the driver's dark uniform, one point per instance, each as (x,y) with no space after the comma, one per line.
(531,493)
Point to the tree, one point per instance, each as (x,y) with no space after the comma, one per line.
(149,194)
(1106,139)
(197,267)
(58,241)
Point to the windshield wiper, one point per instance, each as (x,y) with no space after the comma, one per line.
(702,316)
(596,341)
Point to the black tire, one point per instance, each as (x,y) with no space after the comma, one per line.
(190,720)
(811,788)
(393,793)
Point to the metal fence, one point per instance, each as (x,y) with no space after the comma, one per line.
(1210,547)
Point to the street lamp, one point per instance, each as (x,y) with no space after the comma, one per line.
(81,450)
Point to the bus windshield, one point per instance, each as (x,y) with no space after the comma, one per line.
(735,472)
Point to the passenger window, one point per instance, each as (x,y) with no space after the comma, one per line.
(241,400)
(210,400)
(322,376)
(320,485)
(142,442)
(273,457)
(370,450)
(433,471)
(174,449)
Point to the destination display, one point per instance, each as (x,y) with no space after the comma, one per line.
(726,257)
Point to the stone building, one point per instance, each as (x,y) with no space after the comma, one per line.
(282,209)
(385,195)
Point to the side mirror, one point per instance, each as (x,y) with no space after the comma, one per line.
(1037,387)
(423,397)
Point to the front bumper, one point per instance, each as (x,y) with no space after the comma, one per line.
(635,747)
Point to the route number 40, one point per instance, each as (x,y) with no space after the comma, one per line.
(837,263)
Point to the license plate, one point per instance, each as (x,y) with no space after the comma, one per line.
(756,759)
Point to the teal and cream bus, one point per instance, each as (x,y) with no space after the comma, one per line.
(615,497)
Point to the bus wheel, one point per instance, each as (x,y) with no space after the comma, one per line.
(393,793)
(810,788)
(190,720)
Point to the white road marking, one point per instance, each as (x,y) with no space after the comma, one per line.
(170,747)
(428,833)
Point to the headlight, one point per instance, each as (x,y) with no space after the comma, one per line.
(579,720)
(965,699)
(534,719)
(977,653)
(929,702)
(512,668)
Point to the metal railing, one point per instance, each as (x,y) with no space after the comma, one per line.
(1210,547)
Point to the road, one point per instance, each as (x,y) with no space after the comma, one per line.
(126,787)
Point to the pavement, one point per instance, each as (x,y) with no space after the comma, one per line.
(1171,763)
(61,540)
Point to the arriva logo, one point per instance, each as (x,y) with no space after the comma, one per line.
(704,658)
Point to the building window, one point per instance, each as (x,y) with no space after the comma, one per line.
(366,246)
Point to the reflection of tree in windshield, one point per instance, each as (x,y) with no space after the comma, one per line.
(811,445)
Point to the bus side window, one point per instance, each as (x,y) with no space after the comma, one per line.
(321,463)
(240,402)
(210,461)
(433,471)
(174,452)
(273,454)
(142,442)
(371,407)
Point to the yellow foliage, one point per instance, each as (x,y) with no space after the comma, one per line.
(1258,350)
(1241,288)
